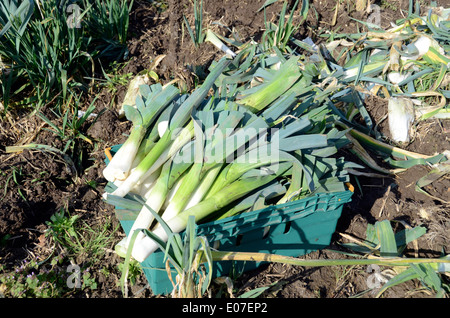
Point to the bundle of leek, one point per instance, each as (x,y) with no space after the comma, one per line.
(218,152)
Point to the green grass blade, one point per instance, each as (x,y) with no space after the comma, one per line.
(190,31)
(305,9)
(266,4)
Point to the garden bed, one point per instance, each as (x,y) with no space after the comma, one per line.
(37,184)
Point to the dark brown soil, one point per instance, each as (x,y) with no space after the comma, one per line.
(36,184)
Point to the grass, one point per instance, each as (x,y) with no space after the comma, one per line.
(48,56)
(74,263)
(50,52)
(16,177)
(389,5)
(196,33)
(114,78)
(278,35)
(78,238)
(71,131)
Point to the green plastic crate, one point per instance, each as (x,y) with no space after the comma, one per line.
(292,229)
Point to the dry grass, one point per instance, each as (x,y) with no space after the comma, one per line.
(21,128)
(438,235)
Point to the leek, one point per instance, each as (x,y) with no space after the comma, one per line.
(144,246)
(209,154)
(249,202)
(142,117)
(153,161)
(243,146)
(156,196)
(401,117)
(206,182)
(267,92)
(162,153)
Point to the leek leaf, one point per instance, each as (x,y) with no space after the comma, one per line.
(386,237)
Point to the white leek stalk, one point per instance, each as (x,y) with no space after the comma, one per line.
(172,192)
(168,175)
(181,198)
(211,37)
(209,141)
(374,67)
(142,117)
(121,164)
(398,77)
(155,198)
(146,187)
(143,188)
(423,46)
(401,116)
(161,152)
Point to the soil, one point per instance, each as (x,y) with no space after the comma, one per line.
(36,184)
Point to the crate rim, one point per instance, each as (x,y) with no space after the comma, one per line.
(268,211)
